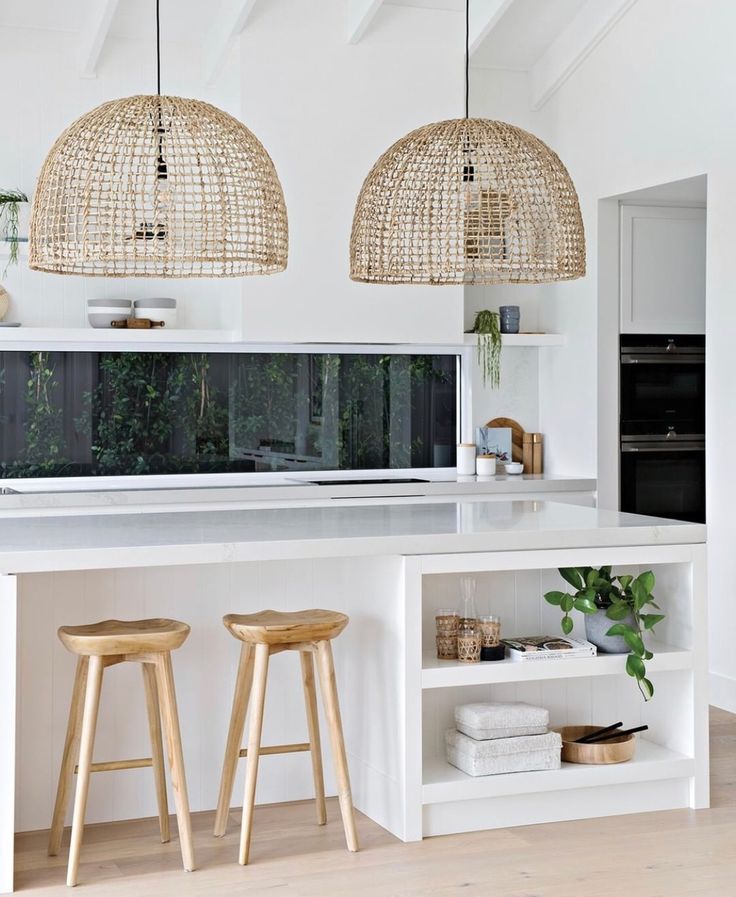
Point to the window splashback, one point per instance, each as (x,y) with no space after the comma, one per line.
(72,414)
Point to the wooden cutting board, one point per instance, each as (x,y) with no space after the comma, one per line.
(517,435)
(4,302)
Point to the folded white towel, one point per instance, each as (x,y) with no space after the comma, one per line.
(497,756)
(487,721)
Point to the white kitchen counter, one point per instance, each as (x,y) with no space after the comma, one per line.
(389,565)
(281,490)
(38,544)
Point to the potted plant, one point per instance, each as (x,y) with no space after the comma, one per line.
(10,201)
(615,618)
(489,346)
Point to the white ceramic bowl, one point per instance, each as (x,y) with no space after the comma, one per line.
(167,315)
(514,468)
(103,317)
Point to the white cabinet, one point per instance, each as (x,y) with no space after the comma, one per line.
(662,269)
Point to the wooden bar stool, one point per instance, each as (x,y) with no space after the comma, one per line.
(100,645)
(263,634)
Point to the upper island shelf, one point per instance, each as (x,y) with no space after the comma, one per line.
(522,339)
(86,338)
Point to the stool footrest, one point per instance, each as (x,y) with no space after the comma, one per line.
(279,749)
(114,765)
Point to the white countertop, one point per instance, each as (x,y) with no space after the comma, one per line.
(281,490)
(34,544)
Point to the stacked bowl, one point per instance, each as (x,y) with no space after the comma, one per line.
(163,310)
(102,312)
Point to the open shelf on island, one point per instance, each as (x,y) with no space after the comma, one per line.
(443,782)
(522,339)
(450,673)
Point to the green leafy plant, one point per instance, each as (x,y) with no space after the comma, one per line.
(624,599)
(486,325)
(9,205)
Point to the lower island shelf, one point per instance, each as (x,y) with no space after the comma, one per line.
(651,762)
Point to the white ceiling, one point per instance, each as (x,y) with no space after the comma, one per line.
(516,41)
(453,5)
(524,32)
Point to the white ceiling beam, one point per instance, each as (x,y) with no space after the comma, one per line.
(573,45)
(94,36)
(360,15)
(229,24)
(484,16)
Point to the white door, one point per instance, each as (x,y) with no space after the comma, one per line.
(662,269)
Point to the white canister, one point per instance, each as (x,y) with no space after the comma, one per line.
(466,459)
(486,465)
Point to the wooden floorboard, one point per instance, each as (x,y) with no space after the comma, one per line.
(680,853)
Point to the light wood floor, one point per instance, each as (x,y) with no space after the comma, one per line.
(672,854)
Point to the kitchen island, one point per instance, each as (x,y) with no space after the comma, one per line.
(389,565)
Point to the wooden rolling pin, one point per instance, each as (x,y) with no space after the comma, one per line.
(138,323)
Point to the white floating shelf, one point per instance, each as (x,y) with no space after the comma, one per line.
(443,782)
(522,339)
(450,673)
(65,337)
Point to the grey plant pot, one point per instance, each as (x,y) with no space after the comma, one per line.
(596,627)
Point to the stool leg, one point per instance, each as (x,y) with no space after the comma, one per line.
(157,748)
(258,697)
(332,709)
(86,747)
(69,757)
(234,737)
(315,747)
(170,716)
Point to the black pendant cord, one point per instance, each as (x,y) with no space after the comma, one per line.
(162,172)
(158,50)
(467,57)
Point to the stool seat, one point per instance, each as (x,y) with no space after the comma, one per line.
(111,637)
(273,627)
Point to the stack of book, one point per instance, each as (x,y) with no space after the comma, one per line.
(547,647)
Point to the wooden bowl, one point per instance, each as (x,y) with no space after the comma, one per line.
(615,750)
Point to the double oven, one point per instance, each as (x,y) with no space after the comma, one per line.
(662,425)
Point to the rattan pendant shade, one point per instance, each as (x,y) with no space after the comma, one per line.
(158,186)
(468,201)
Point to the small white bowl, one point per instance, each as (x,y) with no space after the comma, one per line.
(167,315)
(514,468)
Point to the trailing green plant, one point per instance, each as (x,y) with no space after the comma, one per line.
(624,599)
(486,325)
(9,215)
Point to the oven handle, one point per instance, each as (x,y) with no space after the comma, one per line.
(662,359)
(663,447)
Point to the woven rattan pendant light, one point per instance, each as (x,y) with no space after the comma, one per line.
(467,201)
(158,186)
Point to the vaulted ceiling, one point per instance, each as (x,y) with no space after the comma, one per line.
(543,37)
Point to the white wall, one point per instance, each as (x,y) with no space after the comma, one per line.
(651,104)
(326,110)
(42,95)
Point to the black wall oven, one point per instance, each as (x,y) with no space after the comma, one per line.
(663,426)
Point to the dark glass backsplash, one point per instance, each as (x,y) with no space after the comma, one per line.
(138,413)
